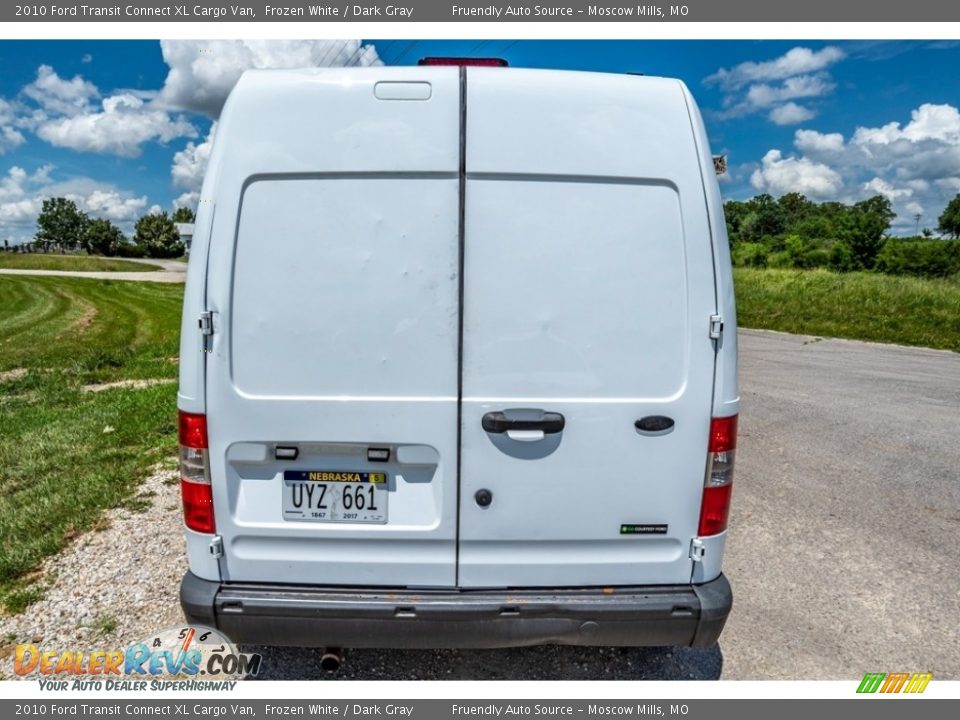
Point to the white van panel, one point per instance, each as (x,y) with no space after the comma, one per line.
(346,287)
(334,277)
(588,288)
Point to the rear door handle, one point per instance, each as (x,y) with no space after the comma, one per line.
(549,423)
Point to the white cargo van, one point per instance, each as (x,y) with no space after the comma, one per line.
(458,363)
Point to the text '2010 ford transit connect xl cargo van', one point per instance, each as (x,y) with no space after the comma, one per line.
(458,365)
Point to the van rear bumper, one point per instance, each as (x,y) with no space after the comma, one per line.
(307,616)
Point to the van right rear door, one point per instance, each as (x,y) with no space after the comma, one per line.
(588,289)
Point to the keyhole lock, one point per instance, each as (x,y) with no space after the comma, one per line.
(483,497)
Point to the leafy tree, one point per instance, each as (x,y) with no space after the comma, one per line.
(103,237)
(183,215)
(866,234)
(795,207)
(60,224)
(949,222)
(158,236)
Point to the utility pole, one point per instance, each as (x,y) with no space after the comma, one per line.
(917,218)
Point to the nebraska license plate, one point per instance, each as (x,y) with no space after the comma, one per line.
(335,496)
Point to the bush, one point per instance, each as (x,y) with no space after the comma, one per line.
(780,260)
(103,237)
(921,258)
(841,259)
(129,250)
(158,236)
(749,255)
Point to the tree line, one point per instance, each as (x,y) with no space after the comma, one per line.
(63,227)
(796,232)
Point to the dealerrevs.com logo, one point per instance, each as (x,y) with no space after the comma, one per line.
(188,657)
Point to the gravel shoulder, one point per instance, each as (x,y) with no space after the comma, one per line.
(112,586)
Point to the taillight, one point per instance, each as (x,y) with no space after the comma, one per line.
(464,61)
(718,484)
(195,488)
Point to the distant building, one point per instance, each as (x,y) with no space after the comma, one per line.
(186,235)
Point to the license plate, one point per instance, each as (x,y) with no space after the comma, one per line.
(335,496)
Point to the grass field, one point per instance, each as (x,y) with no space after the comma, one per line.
(67,454)
(81,263)
(858,306)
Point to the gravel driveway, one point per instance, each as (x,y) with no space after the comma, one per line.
(846,498)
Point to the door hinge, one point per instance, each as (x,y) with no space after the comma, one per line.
(206,323)
(716,327)
(697,550)
(216,546)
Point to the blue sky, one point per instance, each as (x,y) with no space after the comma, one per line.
(123,127)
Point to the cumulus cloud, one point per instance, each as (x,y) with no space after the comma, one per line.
(190,164)
(797,61)
(202,73)
(57,95)
(772,86)
(22,195)
(815,143)
(790,114)
(779,175)
(120,127)
(913,164)
(10,136)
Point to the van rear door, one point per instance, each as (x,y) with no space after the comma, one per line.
(588,288)
(333,366)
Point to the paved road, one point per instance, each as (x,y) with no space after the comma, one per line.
(173,271)
(844,532)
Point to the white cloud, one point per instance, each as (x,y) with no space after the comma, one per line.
(778,175)
(120,127)
(190,164)
(790,114)
(10,136)
(928,122)
(202,73)
(803,86)
(57,95)
(797,61)
(87,58)
(771,85)
(812,142)
(188,200)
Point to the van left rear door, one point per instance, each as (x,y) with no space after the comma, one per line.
(333,276)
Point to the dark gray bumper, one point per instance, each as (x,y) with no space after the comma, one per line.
(307,616)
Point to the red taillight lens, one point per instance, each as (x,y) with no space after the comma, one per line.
(193,430)
(723,434)
(195,486)
(463,61)
(197,506)
(718,484)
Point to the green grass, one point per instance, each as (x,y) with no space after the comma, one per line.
(80,263)
(62,464)
(858,306)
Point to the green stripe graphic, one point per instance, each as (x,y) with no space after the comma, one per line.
(871,682)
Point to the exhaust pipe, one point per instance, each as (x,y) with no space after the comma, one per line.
(331,659)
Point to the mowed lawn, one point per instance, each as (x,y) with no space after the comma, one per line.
(66,453)
(81,263)
(857,306)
